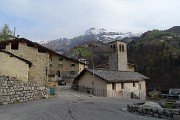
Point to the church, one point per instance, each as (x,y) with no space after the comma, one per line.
(117,79)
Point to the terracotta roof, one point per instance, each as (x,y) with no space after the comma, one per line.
(115,76)
(39,46)
(22,59)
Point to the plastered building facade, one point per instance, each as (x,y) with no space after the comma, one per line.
(64,67)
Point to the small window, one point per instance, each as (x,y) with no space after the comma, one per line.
(122,47)
(134,84)
(72,72)
(50,65)
(59,73)
(51,76)
(139,86)
(119,47)
(2,46)
(15,46)
(50,59)
(60,59)
(122,85)
(30,44)
(111,47)
(41,50)
(113,86)
(72,65)
(114,47)
(60,65)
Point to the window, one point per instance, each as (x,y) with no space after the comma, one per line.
(113,86)
(15,46)
(51,76)
(2,46)
(59,73)
(60,59)
(139,86)
(50,59)
(41,50)
(30,44)
(114,47)
(111,47)
(60,65)
(122,47)
(72,65)
(72,72)
(50,65)
(134,84)
(122,85)
(119,47)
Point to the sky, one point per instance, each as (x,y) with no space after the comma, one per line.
(43,20)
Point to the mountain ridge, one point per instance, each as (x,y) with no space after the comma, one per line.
(63,44)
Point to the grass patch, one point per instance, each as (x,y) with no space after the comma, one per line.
(170,105)
(84,51)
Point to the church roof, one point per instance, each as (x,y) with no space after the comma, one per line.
(115,76)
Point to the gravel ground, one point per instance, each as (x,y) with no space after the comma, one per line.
(70,105)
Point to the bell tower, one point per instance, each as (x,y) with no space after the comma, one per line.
(118,56)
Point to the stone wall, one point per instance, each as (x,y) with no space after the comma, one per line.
(13,91)
(40,62)
(14,67)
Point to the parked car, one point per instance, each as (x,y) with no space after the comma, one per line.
(61,82)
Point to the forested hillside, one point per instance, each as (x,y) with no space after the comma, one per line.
(157,54)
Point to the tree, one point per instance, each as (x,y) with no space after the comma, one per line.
(5,33)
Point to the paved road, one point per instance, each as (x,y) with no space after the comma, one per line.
(69,105)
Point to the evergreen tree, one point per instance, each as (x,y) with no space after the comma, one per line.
(5,33)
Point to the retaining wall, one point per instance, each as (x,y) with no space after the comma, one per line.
(13,91)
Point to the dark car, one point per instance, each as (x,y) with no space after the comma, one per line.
(61,82)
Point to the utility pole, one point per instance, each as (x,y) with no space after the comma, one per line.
(93,48)
(14,32)
(93,69)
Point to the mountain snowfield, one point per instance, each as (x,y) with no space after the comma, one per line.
(103,35)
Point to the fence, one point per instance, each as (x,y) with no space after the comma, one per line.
(105,93)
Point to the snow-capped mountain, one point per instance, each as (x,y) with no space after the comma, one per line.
(103,35)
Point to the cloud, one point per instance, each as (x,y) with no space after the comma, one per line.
(45,20)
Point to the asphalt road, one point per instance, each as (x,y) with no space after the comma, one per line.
(70,105)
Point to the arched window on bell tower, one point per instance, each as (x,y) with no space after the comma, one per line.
(114,47)
(123,48)
(120,47)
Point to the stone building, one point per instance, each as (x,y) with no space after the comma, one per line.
(46,63)
(116,79)
(10,66)
(33,52)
